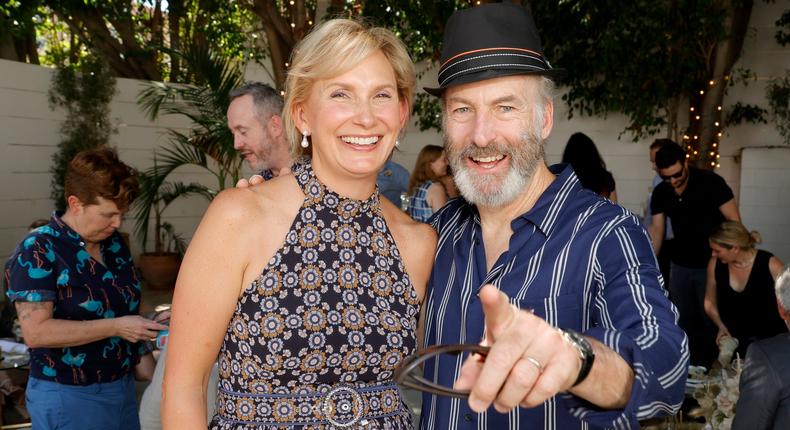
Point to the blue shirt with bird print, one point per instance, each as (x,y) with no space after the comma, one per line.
(52,265)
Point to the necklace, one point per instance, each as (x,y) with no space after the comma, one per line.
(747,263)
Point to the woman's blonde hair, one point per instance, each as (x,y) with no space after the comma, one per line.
(334,48)
(732,233)
(422,168)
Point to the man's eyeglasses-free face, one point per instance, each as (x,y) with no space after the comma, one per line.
(677,175)
(409,374)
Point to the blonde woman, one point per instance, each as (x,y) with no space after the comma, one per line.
(307,288)
(739,295)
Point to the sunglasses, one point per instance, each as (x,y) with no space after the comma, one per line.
(677,175)
(409,374)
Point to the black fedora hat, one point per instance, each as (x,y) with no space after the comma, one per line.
(490,41)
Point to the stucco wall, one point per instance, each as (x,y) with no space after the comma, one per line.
(30,134)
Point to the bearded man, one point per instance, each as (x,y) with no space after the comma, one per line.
(559,282)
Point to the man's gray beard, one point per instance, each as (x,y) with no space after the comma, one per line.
(481,190)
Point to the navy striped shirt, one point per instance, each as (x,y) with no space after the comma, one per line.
(580,262)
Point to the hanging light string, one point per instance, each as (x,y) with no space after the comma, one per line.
(692,143)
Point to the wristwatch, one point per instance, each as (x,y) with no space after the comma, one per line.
(586,353)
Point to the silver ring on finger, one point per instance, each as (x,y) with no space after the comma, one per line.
(535,362)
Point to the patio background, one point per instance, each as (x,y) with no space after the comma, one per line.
(753,161)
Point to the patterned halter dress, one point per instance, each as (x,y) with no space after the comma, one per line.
(314,341)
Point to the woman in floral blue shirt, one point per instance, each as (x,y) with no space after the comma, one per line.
(77,295)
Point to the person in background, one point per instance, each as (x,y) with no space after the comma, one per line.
(427,193)
(581,153)
(77,296)
(764,400)
(393,182)
(696,201)
(666,244)
(559,282)
(739,297)
(255,119)
(307,288)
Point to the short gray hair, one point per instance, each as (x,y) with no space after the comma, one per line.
(267,100)
(782,288)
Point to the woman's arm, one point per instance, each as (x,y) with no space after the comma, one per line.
(208,286)
(775,266)
(711,305)
(40,330)
(436,196)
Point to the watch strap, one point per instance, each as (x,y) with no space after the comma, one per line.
(586,353)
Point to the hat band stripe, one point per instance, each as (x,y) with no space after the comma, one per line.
(446,69)
(489,49)
(490,66)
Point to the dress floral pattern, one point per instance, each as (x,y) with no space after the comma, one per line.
(333,314)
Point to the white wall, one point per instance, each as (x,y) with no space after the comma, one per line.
(30,134)
(29,137)
(765,197)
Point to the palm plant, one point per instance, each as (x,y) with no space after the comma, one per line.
(154,198)
(208,144)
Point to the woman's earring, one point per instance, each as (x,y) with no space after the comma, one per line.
(397,142)
(305,143)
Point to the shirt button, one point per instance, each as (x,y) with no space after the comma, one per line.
(468,418)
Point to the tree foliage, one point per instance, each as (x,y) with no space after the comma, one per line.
(84,92)
(621,59)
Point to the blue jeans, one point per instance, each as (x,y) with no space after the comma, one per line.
(103,406)
(687,291)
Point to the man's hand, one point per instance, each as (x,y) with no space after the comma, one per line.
(529,360)
(254,180)
(135,328)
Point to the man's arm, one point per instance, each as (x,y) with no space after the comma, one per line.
(41,330)
(759,392)
(509,377)
(730,211)
(657,229)
(633,326)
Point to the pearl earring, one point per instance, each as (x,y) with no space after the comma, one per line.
(397,142)
(305,143)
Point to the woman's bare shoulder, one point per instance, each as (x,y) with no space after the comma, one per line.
(418,232)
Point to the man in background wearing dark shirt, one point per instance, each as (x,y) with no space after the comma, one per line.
(696,201)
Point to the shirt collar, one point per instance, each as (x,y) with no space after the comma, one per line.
(551,203)
(547,209)
(66,232)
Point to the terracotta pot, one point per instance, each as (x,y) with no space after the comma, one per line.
(159,271)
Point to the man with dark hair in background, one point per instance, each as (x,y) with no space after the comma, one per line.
(696,201)
(666,247)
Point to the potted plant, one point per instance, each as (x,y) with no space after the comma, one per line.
(160,267)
